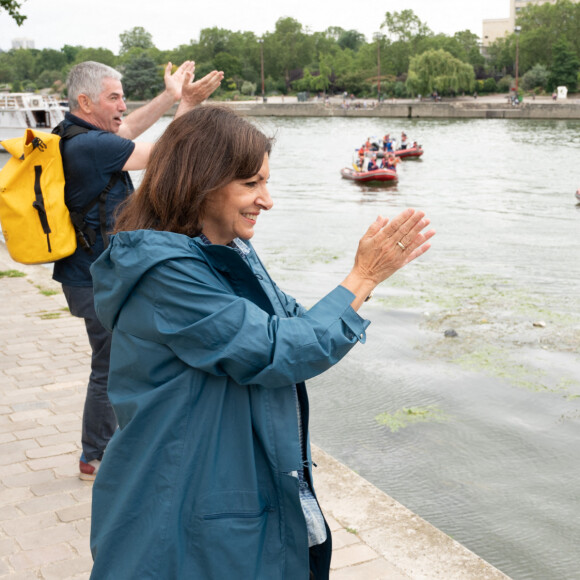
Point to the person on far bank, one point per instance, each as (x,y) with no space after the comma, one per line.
(96,161)
(209,476)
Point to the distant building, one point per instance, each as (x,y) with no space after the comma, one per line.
(502,27)
(22,43)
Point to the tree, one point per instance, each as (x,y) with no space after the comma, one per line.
(142,79)
(564,66)
(438,70)
(351,39)
(405,31)
(287,50)
(102,55)
(137,37)
(537,76)
(228,63)
(404,26)
(13,9)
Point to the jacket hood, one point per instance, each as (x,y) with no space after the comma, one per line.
(128,258)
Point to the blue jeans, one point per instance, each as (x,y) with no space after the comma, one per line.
(99,421)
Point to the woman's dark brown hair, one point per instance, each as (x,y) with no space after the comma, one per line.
(198,153)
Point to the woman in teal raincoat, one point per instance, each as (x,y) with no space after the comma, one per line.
(209,474)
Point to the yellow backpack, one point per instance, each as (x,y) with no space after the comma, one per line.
(35,220)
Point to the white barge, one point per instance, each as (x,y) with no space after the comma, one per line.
(18,111)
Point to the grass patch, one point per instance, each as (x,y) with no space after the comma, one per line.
(50,315)
(11,274)
(410,415)
(46,291)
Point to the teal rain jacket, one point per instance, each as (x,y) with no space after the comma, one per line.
(206,348)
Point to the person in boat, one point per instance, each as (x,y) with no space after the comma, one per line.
(209,475)
(387,143)
(404,141)
(390,162)
(101,157)
(372,165)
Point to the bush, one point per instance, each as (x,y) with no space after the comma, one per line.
(537,76)
(248,88)
(489,85)
(505,84)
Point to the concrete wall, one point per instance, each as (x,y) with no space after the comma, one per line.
(414,110)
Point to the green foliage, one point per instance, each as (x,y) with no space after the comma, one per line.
(438,70)
(504,84)
(142,78)
(137,37)
(13,9)
(102,55)
(248,88)
(537,77)
(334,60)
(564,65)
(490,85)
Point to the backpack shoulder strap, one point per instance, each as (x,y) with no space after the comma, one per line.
(86,236)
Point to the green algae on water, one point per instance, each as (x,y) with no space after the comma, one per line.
(409,415)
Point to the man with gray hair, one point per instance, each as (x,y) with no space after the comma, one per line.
(98,151)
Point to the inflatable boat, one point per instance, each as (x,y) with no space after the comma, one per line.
(385,175)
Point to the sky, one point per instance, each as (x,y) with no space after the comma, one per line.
(54,23)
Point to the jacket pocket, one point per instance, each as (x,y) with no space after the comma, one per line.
(237,536)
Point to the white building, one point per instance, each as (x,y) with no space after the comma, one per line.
(502,27)
(22,43)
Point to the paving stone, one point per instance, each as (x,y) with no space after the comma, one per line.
(6,438)
(12,469)
(59,486)
(342,538)
(36,432)
(47,503)
(10,458)
(5,569)
(34,414)
(9,512)
(16,495)
(40,556)
(56,439)
(69,569)
(50,450)
(63,532)
(58,419)
(17,446)
(6,546)
(10,426)
(351,555)
(82,545)
(52,462)
(26,524)
(28,478)
(378,569)
(75,512)
(84,527)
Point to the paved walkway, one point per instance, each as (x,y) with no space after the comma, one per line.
(45,507)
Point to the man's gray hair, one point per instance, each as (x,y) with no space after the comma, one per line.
(87,78)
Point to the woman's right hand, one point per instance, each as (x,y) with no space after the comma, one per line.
(386,247)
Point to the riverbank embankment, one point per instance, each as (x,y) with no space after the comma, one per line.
(493,107)
(45,508)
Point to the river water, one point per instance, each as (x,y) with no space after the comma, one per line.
(476,433)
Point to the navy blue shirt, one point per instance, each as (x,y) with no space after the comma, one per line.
(89,161)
